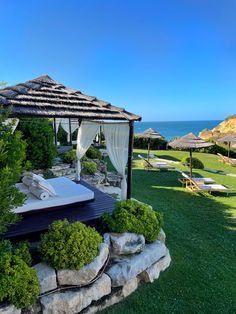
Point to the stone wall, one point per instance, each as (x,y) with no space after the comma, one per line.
(123,261)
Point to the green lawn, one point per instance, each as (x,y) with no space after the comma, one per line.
(201,236)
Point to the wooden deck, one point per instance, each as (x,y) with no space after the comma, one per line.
(32,225)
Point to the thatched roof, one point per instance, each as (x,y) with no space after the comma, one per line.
(149,133)
(228,138)
(47,98)
(190,141)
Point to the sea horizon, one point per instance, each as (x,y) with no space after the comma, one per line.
(172,129)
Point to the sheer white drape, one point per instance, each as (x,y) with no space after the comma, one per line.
(74,125)
(86,133)
(117,140)
(65,125)
(13,122)
(58,121)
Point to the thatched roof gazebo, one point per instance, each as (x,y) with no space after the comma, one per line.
(229,138)
(149,134)
(190,142)
(44,97)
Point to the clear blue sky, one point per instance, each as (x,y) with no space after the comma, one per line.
(164,60)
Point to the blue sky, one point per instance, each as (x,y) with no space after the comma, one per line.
(165,60)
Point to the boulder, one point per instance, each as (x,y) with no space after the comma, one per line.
(72,302)
(162,236)
(127,243)
(128,267)
(9,309)
(94,179)
(130,287)
(153,272)
(46,276)
(87,273)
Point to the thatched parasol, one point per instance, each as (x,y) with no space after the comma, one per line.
(190,141)
(230,138)
(150,134)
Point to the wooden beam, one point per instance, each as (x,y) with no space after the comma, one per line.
(70,131)
(130,156)
(55,131)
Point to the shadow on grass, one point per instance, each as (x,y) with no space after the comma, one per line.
(167,157)
(201,237)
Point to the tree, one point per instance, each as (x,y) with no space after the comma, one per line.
(12,157)
(38,134)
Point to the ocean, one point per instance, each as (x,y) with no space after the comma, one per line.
(171,129)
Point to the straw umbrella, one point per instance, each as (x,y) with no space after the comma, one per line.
(191,142)
(230,138)
(150,134)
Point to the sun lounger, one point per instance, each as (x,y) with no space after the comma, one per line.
(198,180)
(156,165)
(227,160)
(68,192)
(193,186)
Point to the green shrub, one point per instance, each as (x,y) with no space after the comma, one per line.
(69,156)
(93,153)
(40,141)
(221,149)
(62,136)
(12,158)
(196,163)
(89,167)
(22,249)
(5,247)
(133,216)
(155,143)
(68,245)
(18,282)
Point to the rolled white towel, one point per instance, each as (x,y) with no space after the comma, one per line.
(39,193)
(27,180)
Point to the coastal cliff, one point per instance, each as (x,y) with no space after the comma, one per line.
(225,127)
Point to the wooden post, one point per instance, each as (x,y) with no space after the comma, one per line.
(130,155)
(228,149)
(191,164)
(55,131)
(70,131)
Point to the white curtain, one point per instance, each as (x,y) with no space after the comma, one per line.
(13,122)
(65,125)
(86,133)
(58,121)
(117,141)
(74,125)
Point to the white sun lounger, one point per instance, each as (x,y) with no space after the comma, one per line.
(156,165)
(68,192)
(198,180)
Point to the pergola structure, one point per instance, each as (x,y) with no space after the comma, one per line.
(44,97)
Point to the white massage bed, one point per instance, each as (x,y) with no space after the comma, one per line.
(68,192)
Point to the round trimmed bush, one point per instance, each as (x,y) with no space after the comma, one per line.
(22,249)
(69,245)
(69,156)
(196,163)
(93,153)
(18,282)
(136,217)
(89,167)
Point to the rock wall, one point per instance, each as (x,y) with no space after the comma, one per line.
(225,127)
(104,283)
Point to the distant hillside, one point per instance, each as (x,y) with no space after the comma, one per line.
(225,127)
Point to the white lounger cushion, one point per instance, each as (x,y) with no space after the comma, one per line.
(213,187)
(68,192)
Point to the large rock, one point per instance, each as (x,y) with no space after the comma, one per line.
(9,309)
(87,273)
(46,276)
(153,272)
(127,243)
(130,287)
(72,302)
(129,267)
(162,236)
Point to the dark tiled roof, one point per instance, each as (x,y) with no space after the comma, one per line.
(45,97)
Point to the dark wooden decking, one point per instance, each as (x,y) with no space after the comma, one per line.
(32,225)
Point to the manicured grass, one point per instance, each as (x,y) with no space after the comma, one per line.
(201,236)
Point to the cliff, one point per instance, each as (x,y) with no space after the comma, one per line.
(225,127)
